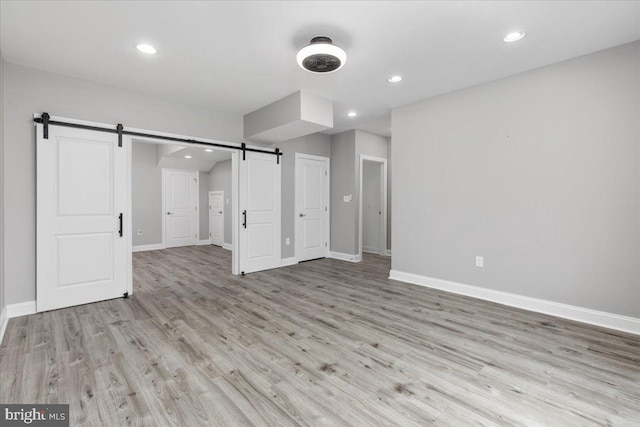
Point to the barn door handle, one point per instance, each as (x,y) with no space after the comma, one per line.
(244,215)
(120,218)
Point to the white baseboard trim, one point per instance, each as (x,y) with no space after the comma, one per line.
(388,252)
(228,246)
(142,248)
(288,261)
(571,312)
(203,242)
(345,257)
(370,250)
(21,309)
(4,319)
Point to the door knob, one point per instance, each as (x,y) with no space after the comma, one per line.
(168,213)
(301,215)
(220,212)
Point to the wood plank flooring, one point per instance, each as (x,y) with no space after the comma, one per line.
(325,342)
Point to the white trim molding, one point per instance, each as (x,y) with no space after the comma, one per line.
(565,311)
(203,242)
(388,252)
(345,257)
(288,261)
(3,323)
(21,309)
(227,246)
(142,248)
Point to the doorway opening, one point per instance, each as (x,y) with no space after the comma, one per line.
(170,186)
(373,205)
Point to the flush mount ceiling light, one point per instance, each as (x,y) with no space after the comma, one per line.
(187,157)
(321,56)
(208,150)
(146,48)
(394,79)
(513,37)
(352,114)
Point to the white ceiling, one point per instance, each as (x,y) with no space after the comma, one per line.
(239,56)
(172,156)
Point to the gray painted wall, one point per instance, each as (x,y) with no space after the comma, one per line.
(219,179)
(146,195)
(538,173)
(346,148)
(317,144)
(30,91)
(344,215)
(203,188)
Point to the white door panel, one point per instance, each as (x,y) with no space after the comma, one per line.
(312,207)
(260,212)
(81,192)
(216,217)
(180,206)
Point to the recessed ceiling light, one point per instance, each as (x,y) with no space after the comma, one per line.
(513,37)
(208,150)
(352,114)
(394,79)
(146,48)
(187,157)
(321,56)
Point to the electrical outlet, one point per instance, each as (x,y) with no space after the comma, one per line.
(479,261)
(287,241)
(347,198)
(139,232)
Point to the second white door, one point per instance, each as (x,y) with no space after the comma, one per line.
(312,207)
(180,207)
(216,217)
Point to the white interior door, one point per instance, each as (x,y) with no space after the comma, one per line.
(81,194)
(216,217)
(312,207)
(259,212)
(180,207)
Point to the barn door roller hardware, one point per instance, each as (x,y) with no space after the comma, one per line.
(45,119)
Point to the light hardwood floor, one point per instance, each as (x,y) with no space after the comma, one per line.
(325,342)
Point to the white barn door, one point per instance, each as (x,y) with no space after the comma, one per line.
(260,212)
(81,214)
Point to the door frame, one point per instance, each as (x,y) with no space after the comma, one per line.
(213,193)
(127,143)
(383,217)
(164,206)
(327,201)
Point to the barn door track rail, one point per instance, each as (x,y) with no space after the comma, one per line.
(45,119)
